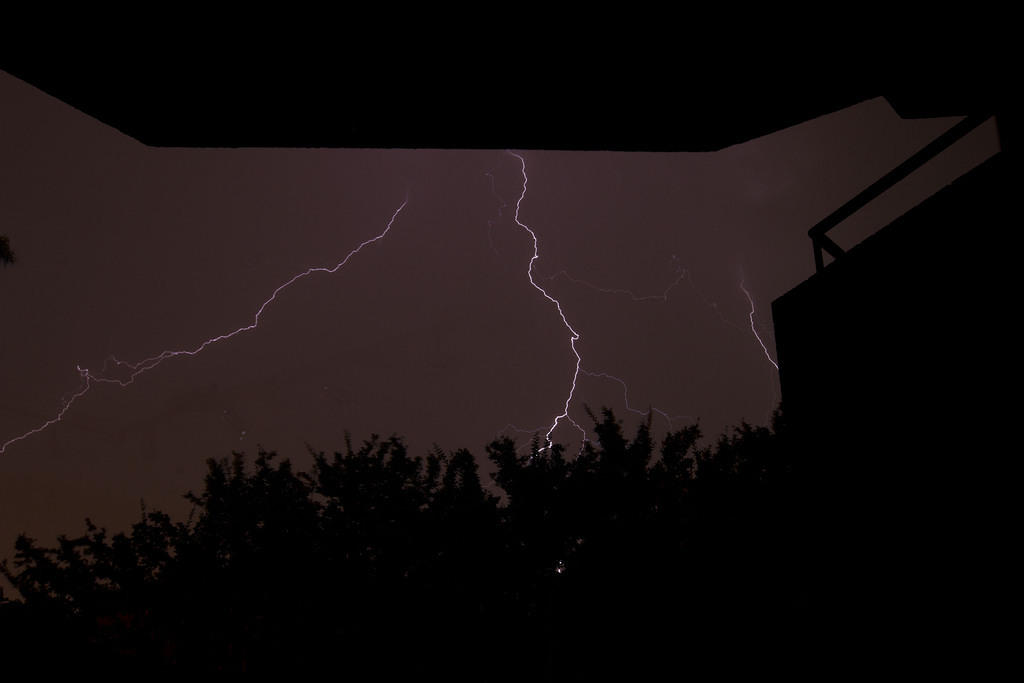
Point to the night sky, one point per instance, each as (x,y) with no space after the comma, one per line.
(433,332)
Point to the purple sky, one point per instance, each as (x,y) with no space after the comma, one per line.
(433,332)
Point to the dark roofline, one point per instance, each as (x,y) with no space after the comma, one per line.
(188,95)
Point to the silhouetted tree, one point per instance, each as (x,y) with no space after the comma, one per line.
(6,255)
(378,563)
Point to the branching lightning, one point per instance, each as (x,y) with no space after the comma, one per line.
(574,335)
(510,427)
(123,373)
(625,395)
(680,273)
(526,432)
(680,276)
(135,369)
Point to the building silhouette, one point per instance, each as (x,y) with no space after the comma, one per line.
(896,371)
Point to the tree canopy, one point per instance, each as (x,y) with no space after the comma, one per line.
(378,562)
(6,255)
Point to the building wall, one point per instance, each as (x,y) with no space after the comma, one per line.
(895,363)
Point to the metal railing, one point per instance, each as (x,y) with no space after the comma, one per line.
(820,240)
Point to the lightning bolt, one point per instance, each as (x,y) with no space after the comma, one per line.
(510,427)
(625,396)
(574,335)
(528,432)
(680,276)
(753,327)
(682,273)
(135,369)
